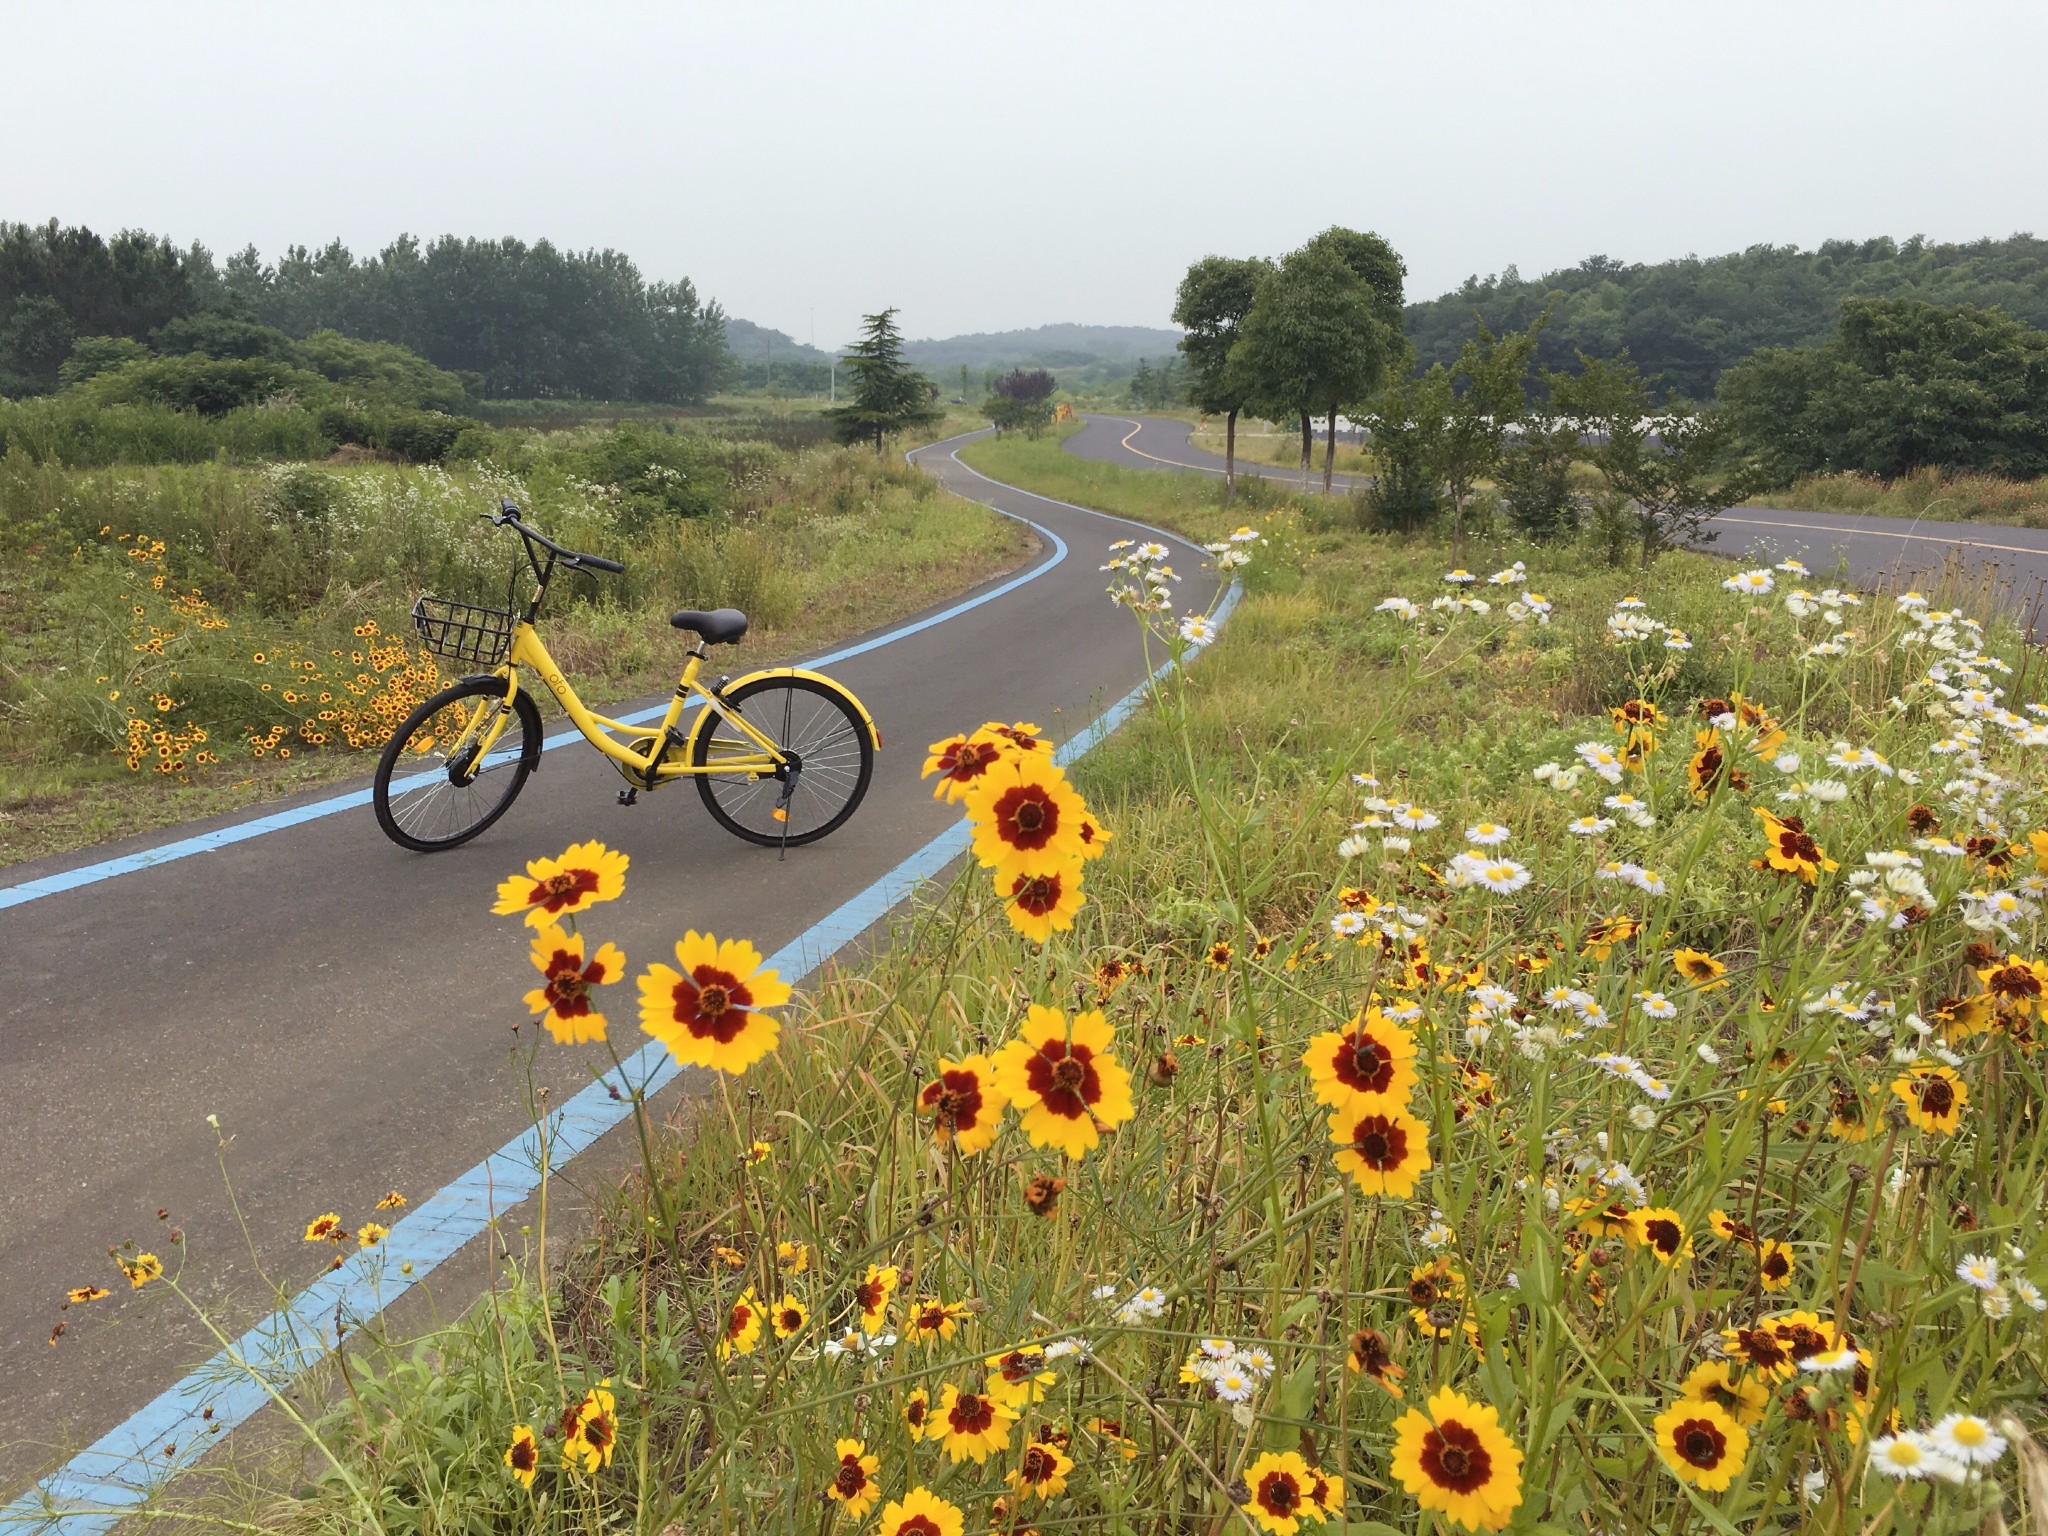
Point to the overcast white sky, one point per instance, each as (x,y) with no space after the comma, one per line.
(990,165)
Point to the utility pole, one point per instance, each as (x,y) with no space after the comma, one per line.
(835,381)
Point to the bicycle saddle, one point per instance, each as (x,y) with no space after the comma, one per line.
(721,626)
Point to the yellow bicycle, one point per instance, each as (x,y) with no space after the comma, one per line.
(781,756)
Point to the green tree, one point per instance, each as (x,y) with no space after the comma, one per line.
(1534,472)
(1406,421)
(1210,305)
(1904,384)
(1315,339)
(887,395)
(1486,398)
(1670,473)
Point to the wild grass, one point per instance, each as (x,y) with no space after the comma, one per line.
(201,624)
(1731,1201)
(1925,493)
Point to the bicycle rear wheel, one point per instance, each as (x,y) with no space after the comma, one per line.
(814,725)
(433,790)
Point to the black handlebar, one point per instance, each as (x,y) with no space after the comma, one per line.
(507,516)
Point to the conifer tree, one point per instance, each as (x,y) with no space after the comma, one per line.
(888,394)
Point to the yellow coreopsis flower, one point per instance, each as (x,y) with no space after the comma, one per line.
(1062,1079)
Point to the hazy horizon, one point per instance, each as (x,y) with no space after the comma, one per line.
(992,170)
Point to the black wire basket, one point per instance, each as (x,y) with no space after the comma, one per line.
(465,632)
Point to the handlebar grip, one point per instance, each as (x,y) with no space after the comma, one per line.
(599,563)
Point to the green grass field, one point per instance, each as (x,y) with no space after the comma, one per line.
(1560,1056)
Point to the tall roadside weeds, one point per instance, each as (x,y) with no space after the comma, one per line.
(1484,1050)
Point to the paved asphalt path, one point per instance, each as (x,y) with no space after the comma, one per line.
(1893,551)
(345,1007)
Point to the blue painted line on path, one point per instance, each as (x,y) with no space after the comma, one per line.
(333,805)
(128,1465)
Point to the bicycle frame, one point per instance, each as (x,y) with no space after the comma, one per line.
(652,754)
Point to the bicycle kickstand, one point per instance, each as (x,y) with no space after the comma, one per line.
(782,807)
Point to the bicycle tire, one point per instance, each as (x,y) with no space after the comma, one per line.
(833,746)
(455,808)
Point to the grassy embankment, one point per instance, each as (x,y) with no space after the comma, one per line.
(179,640)
(1707,1156)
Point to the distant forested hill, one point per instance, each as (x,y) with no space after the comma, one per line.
(1684,321)
(1048,346)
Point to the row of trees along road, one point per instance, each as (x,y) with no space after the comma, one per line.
(1318,333)
(1309,335)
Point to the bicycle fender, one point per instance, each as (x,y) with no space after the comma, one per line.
(521,700)
(874,731)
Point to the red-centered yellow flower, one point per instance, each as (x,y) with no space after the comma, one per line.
(584,875)
(1019,1377)
(1327,1494)
(1384,1151)
(1026,818)
(917,1414)
(872,1297)
(709,1014)
(1604,933)
(371,1233)
(1038,906)
(1063,1081)
(965,1104)
(1660,1230)
(1367,1065)
(2017,985)
(78,1295)
(563,999)
(853,1480)
(592,1429)
(1454,1458)
(971,1424)
(326,1228)
(920,1512)
(523,1454)
(1111,1433)
(141,1269)
(1369,1356)
(1933,1095)
(1283,1492)
(1700,968)
(930,1318)
(788,1317)
(1790,849)
(1094,837)
(1722,1384)
(959,761)
(794,1257)
(1774,1264)
(1701,1443)
(1020,737)
(742,1327)
(1041,1472)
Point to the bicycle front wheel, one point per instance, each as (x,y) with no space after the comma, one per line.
(437,786)
(812,724)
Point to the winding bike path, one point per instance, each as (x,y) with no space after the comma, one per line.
(345,1008)
(1895,551)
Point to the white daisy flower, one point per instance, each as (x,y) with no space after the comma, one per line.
(1657,1005)
(1503,877)
(1965,1438)
(1905,1456)
(1750,583)
(1348,925)
(1460,577)
(1197,630)
(1590,826)
(1414,818)
(1486,834)
(1234,1386)
(1978,1269)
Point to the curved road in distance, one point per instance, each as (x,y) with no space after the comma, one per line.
(1896,552)
(345,1006)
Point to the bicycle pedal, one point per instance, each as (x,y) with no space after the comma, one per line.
(629,797)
